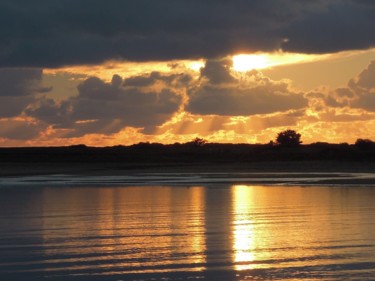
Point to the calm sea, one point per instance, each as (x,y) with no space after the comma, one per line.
(209,232)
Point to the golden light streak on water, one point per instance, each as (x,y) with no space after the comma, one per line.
(187,232)
(243,229)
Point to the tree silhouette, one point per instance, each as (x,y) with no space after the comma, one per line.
(197,142)
(288,138)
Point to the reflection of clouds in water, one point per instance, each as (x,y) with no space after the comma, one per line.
(215,232)
(126,229)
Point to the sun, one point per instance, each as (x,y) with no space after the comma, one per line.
(250,62)
(247,62)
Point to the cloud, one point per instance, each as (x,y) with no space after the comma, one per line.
(173,79)
(20,81)
(363,87)
(343,25)
(19,129)
(107,107)
(13,106)
(288,119)
(217,103)
(150,100)
(221,93)
(70,32)
(365,80)
(18,88)
(346,105)
(217,72)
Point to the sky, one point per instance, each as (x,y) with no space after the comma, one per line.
(116,72)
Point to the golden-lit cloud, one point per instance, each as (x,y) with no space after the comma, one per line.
(106,70)
(259,60)
(234,72)
(222,92)
(114,103)
(331,70)
(247,62)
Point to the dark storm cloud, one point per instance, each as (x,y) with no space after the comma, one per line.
(63,32)
(106,108)
(343,25)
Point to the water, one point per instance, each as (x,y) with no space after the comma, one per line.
(213,232)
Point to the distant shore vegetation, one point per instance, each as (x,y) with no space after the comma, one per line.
(287,146)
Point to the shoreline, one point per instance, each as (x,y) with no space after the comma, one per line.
(118,168)
(255,173)
(207,180)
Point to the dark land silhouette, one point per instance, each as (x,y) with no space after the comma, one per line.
(190,156)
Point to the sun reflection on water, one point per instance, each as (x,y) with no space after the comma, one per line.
(243,228)
(189,232)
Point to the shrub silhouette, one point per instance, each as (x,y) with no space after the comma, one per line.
(288,138)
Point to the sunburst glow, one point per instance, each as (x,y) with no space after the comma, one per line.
(247,62)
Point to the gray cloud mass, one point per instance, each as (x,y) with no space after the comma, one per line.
(19,130)
(107,107)
(69,32)
(18,88)
(220,93)
(364,88)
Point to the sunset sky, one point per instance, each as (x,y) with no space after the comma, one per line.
(122,72)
